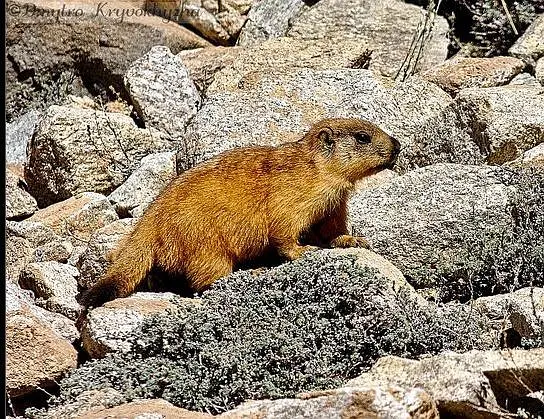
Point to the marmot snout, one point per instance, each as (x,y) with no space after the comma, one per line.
(248,202)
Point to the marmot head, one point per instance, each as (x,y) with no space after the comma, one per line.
(352,147)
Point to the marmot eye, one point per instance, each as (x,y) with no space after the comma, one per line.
(362,138)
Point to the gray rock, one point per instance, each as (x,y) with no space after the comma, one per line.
(476,384)
(108,328)
(505,121)
(539,71)
(524,79)
(270,109)
(415,219)
(78,217)
(269,19)
(347,402)
(386,27)
(530,46)
(94,259)
(55,284)
(531,158)
(78,150)
(287,55)
(18,135)
(18,299)
(19,203)
(145,183)
(522,310)
(162,91)
(36,232)
(58,251)
(19,252)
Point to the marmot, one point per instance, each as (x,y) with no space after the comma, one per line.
(247,202)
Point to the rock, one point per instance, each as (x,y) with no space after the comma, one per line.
(385,27)
(524,79)
(19,203)
(269,19)
(107,328)
(35,232)
(162,92)
(78,150)
(349,402)
(55,284)
(285,105)
(416,218)
(142,186)
(287,55)
(505,121)
(18,299)
(203,63)
(78,217)
(476,384)
(522,311)
(36,357)
(531,158)
(539,71)
(456,74)
(58,251)
(153,408)
(52,56)
(377,179)
(18,135)
(19,252)
(530,46)
(94,259)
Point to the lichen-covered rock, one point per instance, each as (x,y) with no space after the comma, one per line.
(286,55)
(19,203)
(505,121)
(203,63)
(107,328)
(162,92)
(316,321)
(269,109)
(95,258)
(530,46)
(144,184)
(426,212)
(269,19)
(78,217)
(54,284)
(464,72)
(352,402)
(473,384)
(385,27)
(58,251)
(522,311)
(36,232)
(36,357)
(18,135)
(78,150)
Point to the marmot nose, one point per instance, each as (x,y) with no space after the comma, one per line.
(396,145)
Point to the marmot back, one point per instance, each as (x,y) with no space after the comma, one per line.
(248,202)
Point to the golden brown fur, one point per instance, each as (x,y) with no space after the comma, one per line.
(248,202)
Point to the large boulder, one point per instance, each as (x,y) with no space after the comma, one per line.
(505,121)
(476,384)
(162,92)
(386,27)
(78,150)
(431,213)
(530,46)
(273,108)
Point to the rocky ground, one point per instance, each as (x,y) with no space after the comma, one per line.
(443,318)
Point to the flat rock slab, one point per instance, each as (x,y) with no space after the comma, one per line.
(36,357)
(475,384)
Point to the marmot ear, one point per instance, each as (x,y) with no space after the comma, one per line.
(326,137)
